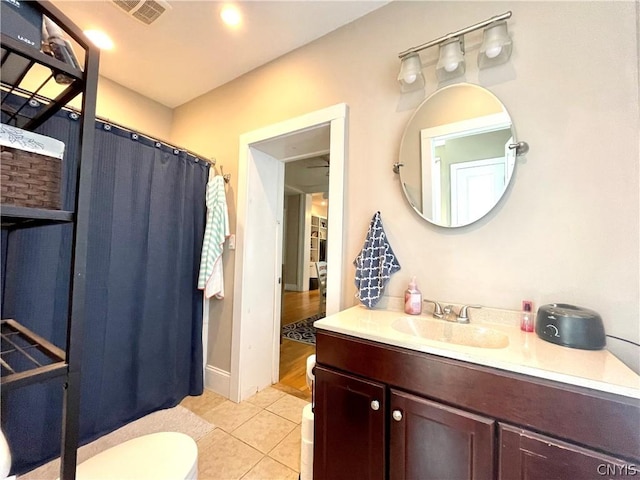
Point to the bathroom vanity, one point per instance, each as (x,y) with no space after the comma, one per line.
(398,405)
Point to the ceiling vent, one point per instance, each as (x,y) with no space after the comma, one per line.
(146,11)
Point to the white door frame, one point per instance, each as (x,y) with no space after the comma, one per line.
(250,370)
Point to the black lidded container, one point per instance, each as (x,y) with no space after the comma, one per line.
(570,326)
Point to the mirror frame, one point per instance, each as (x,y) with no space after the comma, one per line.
(503,118)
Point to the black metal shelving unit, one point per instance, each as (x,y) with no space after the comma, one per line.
(28,358)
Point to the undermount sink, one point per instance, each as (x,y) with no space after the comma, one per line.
(449,332)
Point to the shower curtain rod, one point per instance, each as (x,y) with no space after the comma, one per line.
(211,160)
(44,99)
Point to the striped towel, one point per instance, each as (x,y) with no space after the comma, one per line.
(375,264)
(211,278)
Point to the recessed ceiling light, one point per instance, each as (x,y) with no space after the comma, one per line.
(99,39)
(231,15)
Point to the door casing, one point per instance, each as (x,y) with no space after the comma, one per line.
(255,343)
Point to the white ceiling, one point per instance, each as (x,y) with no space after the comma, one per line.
(306,157)
(307,176)
(188,51)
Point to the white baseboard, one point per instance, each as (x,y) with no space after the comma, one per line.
(217,380)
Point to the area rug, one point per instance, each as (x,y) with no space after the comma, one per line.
(176,419)
(302,331)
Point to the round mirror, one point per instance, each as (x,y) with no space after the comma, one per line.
(457,156)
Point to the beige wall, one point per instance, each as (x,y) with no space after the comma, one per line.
(119,105)
(129,109)
(566,231)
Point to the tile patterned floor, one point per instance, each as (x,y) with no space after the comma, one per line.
(258,439)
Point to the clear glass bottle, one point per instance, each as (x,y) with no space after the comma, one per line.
(526,320)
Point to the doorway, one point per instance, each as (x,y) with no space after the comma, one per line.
(304,268)
(258,274)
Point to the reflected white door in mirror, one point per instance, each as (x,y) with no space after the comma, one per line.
(457,155)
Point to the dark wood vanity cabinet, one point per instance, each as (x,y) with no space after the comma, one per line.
(350,435)
(386,412)
(431,441)
(525,455)
(352,442)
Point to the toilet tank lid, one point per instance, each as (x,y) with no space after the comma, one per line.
(157,456)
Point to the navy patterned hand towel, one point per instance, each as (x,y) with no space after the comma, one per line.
(375,264)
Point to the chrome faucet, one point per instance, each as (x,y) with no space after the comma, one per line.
(448,312)
(462,316)
(437,309)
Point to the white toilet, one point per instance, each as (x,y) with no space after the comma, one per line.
(157,456)
(5,458)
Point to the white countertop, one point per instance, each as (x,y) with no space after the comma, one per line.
(526,353)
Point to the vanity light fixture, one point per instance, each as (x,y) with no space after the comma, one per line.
(496,45)
(410,76)
(496,49)
(451,60)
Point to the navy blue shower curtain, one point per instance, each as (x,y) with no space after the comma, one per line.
(143,326)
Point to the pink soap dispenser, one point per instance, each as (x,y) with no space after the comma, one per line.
(412,299)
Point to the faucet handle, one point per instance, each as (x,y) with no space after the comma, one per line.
(463,317)
(437,309)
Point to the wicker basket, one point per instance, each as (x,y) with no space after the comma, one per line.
(30,169)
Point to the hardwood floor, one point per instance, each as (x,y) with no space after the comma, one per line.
(293,355)
(299,305)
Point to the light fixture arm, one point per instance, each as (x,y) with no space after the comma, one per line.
(457,33)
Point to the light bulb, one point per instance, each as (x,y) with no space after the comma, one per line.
(493,52)
(451,66)
(410,77)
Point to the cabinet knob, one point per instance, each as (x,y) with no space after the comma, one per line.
(375,405)
(397,415)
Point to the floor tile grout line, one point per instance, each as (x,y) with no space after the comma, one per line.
(253,448)
(252,467)
(261,409)
(285,465)
(285,418)
(279,441)
(262,455)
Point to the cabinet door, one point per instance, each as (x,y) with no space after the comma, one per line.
(528,455)
(429,440)
(349,423)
